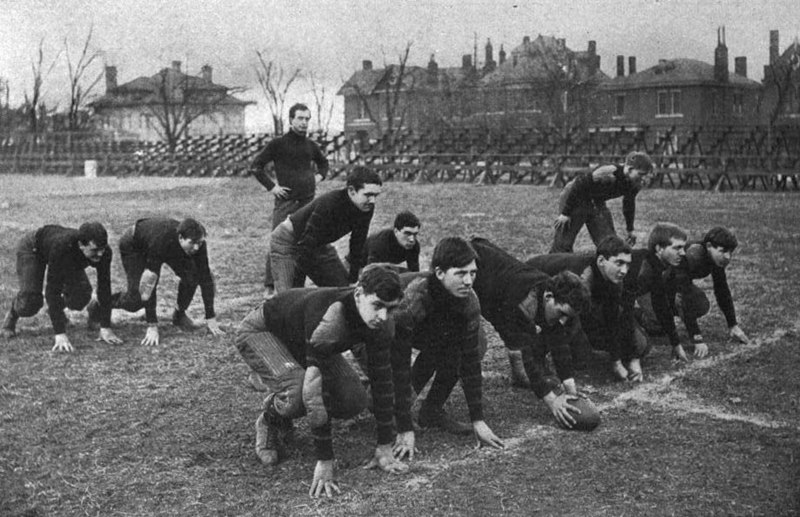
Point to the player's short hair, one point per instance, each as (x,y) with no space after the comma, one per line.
(406,219)
(639,160)
(452,252)
(611,246)
(662,234)
(93,232)
(721,237)
(380,280)
(191,229)
(360,175)
(567,287)
(297,107)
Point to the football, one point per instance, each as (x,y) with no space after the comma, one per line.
(589,417)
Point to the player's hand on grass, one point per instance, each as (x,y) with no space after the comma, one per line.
(560,407)
(561,220)
(485,435)
(385,460)
(679,354)
(214,328)
(323,482)
(151,336)
(620,372)
(109,337)
(700,347)
(62,344)
(280,192)
(404,446)
(738,333)
(635,373)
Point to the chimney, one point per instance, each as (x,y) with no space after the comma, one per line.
(592,47)
(206,72)
(526,40)
(176,65)
(433,71)
(774,50)
(631,65)
(721,58)
(502,54)
(466,61)
(489,63)
(740,66)
(111,78)
(620,66)
(366,64)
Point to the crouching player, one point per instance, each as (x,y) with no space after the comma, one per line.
(535,314)
(295,341)
(709,257)
(440,317)
(64,253)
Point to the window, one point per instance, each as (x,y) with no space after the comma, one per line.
(669,103)
(738,103)
(619,106)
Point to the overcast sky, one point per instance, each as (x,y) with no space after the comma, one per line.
(331,38)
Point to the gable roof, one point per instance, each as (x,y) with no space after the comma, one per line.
(147,90)
(676,72)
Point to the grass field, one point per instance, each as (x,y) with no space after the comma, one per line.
(128,430)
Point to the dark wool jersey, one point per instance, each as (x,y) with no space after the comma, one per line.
(57,247)
(316,324)
(383,247)
(292,154)
(652,276)
(502,283)
(157,240)
(598,187)
(698,264)
(429,316)
(612,304)
(325,220)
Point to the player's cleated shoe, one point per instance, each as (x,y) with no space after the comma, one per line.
(93,312)
(9,324)
(267,441)
(184,322)
(438,417)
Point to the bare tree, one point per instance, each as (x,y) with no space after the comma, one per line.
(323,104)
(179,99)
(386,105)
(275,83)
(784,79)
(77,91)
(34,106)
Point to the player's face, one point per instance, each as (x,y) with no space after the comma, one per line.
(372,309)
(91,251)
(364,198)
(189,246)
(671,255)
(458,280)
(556,313)
(407,236)
(719,255)
(636,176)
(300,121)
(614,268)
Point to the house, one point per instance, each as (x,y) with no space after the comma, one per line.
(168,106)
(543,82)
(781,101)
(679,94)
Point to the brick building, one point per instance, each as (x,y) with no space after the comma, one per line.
(679,93)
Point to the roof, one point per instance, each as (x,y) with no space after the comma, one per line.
(676,72)
(414,77)
(146,90)
(543,59)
